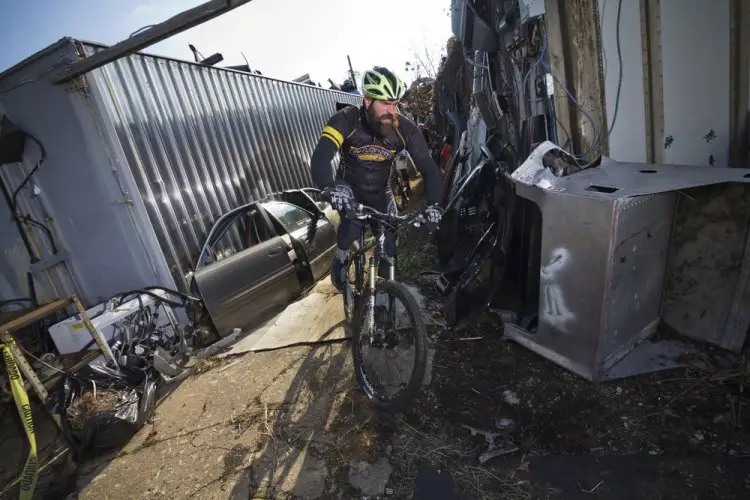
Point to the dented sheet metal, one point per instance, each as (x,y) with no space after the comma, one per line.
(607,245)
(617,180)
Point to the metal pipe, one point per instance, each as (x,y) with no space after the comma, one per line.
(153,34)
(351,71)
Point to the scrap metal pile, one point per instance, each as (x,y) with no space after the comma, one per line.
(101,405)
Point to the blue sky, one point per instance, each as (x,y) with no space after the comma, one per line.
(282,38)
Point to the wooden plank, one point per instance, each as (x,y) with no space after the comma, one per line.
(653,82)
(575,53)
(34,315)
(556,52)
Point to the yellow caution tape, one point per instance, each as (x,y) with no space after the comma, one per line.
(31,469)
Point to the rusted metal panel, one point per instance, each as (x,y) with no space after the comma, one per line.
(708,269)
(201,141)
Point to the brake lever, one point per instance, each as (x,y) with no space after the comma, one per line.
(419,220)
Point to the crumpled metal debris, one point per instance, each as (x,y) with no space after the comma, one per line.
(498,443)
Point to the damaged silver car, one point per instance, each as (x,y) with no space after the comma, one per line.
(261,256)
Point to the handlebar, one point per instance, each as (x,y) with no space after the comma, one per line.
(364,212)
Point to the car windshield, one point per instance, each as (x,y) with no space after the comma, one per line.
(290,216)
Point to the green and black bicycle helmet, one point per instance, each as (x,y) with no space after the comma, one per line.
(382,84)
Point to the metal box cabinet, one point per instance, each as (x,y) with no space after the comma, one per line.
(605,250)
(602,275)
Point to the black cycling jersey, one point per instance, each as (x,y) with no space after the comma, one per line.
(367,158)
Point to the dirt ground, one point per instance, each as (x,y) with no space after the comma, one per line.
(293,424)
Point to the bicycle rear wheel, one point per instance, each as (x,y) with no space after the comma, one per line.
(381,327)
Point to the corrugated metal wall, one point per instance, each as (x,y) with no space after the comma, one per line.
(201,141)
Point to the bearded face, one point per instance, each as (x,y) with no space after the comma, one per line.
(382,115)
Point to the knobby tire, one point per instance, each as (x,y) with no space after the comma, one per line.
(407,396)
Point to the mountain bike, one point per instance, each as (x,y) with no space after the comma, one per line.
(376,320)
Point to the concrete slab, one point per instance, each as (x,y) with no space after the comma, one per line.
(318,317)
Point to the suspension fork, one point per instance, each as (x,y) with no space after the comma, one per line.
(380,253)
(391,298)
(360,264)
(370,305)
(373,264)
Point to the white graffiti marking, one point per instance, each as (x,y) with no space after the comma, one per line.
(554,311)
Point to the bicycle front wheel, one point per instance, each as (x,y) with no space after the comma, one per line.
(390,331)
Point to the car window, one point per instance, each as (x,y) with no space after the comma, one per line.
(242,232)
(290,216)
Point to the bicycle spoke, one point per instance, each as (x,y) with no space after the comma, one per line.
(384,332)
(387,364)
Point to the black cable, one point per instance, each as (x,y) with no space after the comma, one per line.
(16,301)
(173,292)
(138,293)
(24,237)
(14,197)
(43,157)
(25,181)
(125,295)
(619,60)
(43,227)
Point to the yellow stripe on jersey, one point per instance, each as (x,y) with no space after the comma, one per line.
(334,134)
(331,138)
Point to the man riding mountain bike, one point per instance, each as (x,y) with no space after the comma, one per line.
(369,138)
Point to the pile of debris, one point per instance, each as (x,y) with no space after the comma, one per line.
(103,404)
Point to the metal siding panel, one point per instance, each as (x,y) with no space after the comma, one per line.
(256,164)
(266,126)
(131,128)
(81,186)
(639,253)
(695,63)
(201,141)
(258,130)
(308,132)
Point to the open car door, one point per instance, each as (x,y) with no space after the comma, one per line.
(296,222)
(245,269)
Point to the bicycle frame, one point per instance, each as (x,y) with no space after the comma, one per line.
(374,261)
(379,253)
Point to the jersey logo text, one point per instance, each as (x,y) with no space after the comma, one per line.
(372,153)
